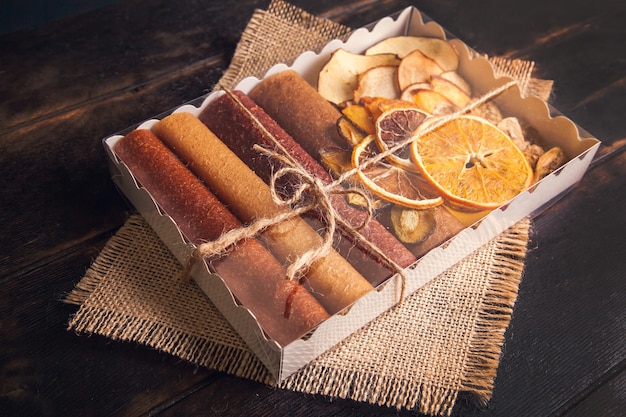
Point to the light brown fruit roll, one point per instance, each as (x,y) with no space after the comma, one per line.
(298,108)
(332,280)
(283,308)
(240,123)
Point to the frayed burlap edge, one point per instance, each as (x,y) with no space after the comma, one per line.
(495,312)
(197,350)
(522,71)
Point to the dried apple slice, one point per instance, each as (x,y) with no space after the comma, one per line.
(450,91)
(338,78)
(436,49)
(385,105)
(407,93)
(428,100)
(458,80)
(416,68)
(380,81)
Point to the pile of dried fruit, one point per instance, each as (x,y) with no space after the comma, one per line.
(475,162)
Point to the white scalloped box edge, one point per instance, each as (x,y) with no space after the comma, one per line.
(283,362)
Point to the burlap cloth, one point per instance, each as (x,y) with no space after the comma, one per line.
(440,341)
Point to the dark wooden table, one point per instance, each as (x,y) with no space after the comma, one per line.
(66,85)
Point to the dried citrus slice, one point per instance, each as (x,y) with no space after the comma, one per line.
(395,125)
(472,163)
(392,184)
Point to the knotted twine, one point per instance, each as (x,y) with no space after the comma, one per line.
(319,193)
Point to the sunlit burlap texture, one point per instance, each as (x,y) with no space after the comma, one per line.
(440,341)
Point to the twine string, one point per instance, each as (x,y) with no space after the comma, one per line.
(313,188)
(311,193)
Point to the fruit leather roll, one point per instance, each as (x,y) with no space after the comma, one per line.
(282,307)
(333,281)
(297,107)
(240,123)
(312,121)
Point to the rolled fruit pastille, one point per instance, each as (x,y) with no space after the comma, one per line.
(284,309)
(298,108)
(333,281)
(312,121)
(240,124)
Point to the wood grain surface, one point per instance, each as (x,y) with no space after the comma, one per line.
(66,85)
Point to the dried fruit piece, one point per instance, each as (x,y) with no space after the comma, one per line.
(533,152)
(360,117)
(429,100)
(358,200)
(512,127)
(436,49)
(472,163)
(378,105)
(337,80)
(380,81)
(394,126)
(549,162)
(373,106)
(466,218)
(390,183)
(410,225)
(416,68)
(339,161)
(455,77)
(407,93)
(449,90)
(488,111)
(336,161)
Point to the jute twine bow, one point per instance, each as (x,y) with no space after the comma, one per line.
(318,195)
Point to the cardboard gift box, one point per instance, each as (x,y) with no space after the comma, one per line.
(283,361)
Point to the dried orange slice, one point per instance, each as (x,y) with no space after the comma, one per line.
(472,163)
(395,125)
(392,184)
